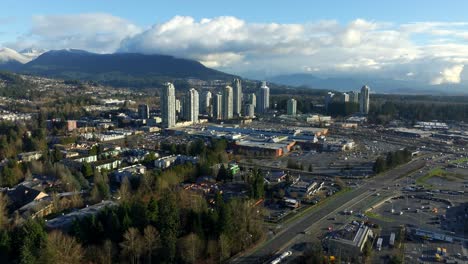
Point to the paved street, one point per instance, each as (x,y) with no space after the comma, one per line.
(353,198)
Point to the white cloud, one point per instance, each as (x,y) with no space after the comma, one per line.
(435,52)
(96,32)
(449,75)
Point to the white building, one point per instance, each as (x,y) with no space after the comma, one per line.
(218,106)
(168,106)
(292,107)
(364,96)
(237,100)
(263,98)
(228,100)
(191,107)
(343,98)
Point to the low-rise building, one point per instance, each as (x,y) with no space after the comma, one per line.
(65,221)
(30,156)
(169,161)
(338,145)
(107,164)
(129,172)
(350,241)
(302,188)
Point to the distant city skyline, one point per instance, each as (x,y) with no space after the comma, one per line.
(259,38)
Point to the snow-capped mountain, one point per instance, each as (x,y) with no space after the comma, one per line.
(32,53)
(9,55)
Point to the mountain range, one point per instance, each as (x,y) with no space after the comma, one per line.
(120,69)
(377,84)
(142,70)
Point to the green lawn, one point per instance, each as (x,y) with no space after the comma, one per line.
(458,161)
(440,173)
(377,216)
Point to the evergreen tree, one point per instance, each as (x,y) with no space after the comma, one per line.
(168,225)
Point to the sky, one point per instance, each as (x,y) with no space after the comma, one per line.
(424,41)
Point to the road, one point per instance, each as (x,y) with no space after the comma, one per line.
(283,239)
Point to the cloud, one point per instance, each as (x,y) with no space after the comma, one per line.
(430,52)
(96,32)
(449,75)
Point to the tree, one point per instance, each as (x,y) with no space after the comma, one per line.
(168,225)
(86,169)
(189,248)
(340,183)
(152,211)
(224,247)
(379,165)
(132,245)
(125,190)
(222,174)
(61,248)
(28,240)
(151,238)
(3,211)
(257,184)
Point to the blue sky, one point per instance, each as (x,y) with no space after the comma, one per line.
(18,13)
(405,40)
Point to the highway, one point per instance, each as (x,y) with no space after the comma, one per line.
(283,239)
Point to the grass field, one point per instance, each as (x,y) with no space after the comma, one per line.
(439,173)
(459,161)
(377,216)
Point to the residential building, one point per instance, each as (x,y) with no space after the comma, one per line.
(353,97)
(29,156)
(292,107)
(168,110)
(205,103)
(191,106)
(178,106)
(136,170)
(263,98)
(218,106)
(237,100)
(228,103)
(143,111)
(71,125)
(328,99)
(252,99)
(364,96)
(249,110)
(343,98)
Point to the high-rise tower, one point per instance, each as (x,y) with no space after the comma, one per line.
(237,100)
(364,100)
(191,107)
(228,102)
(263,98)
(168,105)
(218,106)
(292,106)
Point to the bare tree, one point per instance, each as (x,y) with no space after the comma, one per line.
(190,247)
(125,189)
(132,244)
(62,249)
(151,239)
